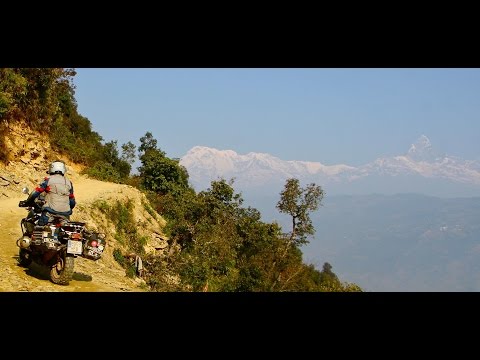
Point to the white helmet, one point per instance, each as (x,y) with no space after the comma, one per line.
(57,167)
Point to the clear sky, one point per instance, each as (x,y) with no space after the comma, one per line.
(332,116)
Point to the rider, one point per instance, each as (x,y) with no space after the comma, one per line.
(59,196)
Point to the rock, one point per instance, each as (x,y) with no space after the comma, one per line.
(6,178)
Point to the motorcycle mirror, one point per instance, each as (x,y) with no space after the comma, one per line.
(25,190)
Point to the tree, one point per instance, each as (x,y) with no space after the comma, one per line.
(159,173)
(12,86)
(110,152)
(328,276)
(147,143)
(298,203)
(128,152)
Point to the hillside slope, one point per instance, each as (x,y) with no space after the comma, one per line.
(103,275)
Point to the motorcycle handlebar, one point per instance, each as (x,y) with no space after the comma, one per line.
(37,204)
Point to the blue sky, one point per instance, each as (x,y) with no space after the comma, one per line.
(332,116)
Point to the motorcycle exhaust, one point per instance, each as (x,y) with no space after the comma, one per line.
(24,242)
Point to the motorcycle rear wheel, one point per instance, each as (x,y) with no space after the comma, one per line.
(24,258)
(62,272)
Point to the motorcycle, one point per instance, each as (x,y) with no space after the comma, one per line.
(56,244)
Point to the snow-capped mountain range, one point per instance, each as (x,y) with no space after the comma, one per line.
(421,169)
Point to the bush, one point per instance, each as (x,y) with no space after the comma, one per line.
(117,255)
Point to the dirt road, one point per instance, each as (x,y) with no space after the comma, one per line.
(103,275)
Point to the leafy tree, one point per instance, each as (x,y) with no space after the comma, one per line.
(128,153)
(111,156)
(204,225)
(39,104)
(256,251)
(298,203)
(181,212)
(159,173)
(216,240)
(12,86)
(110,152)
(107,165)
(328,277)
(104,171)
(147,143)
(286,257)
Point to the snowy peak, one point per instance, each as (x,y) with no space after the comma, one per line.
(422,150)
(199,152)
(204,162)
(422,144)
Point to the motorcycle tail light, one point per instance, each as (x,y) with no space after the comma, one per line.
(76,236)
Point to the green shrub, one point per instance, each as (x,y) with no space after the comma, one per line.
(130,271)
(117,255)
(102,206)
(103,171)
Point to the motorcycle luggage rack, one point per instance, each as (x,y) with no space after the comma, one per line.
(74,227)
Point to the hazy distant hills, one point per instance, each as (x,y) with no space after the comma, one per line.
(404,242)
(402,223)
(420,170)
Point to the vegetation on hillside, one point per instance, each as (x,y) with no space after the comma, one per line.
(220,244)
(44,99)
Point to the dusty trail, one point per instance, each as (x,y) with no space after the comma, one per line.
(103,275)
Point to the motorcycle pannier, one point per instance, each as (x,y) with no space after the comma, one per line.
(93,246)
